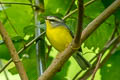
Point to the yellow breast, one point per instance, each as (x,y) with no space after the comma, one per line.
(58,36)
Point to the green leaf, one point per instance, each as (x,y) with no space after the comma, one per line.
(4,53)
(19,16)
(99,38)
(111,69)
(102,34)
(29,61)
(29,30)
(58,7)
(93,10)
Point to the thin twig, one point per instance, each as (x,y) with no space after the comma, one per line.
(97,66)
(77,39)
(13,53)
(61,58)
(90,71)
(29,4)
(100,19)
(117,25)
(47,54)
(22,49)
(109,42)
(74,78)
(5,73)
(110,53)
(64,56)
(68,10)
(9,19)
(113,42)
(107,46)
(114,32)
(74,11)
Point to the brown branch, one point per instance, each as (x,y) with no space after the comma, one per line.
(107,46)
(74,11)
(109,42)
(63,57)
(59,61)
(110,53)
(113,42)
(88,17)
(97,66)
(76,42)
(13,52)
(22,49)
(99,20)
(90,71)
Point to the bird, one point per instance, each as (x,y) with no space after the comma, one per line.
(60,36)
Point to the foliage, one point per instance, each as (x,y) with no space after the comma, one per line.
(111,68)
(22,18)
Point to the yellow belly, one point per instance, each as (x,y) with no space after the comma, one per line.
(59,37)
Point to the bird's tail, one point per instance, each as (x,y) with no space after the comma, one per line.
(81,61)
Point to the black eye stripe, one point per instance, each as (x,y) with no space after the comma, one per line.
(53,20)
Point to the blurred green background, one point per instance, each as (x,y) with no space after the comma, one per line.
(22,18)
